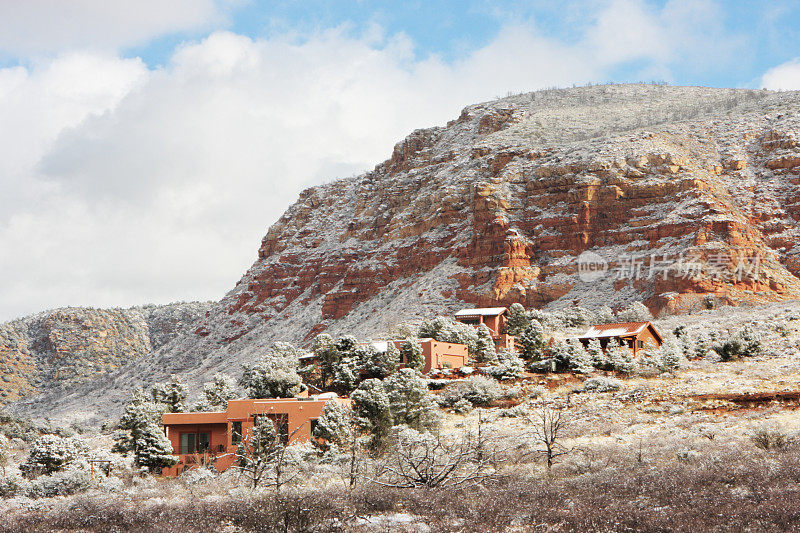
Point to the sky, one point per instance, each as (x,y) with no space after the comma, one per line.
(146,147)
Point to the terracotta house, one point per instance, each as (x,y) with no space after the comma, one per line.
(495,320)
(633,335)
(437,354)
(212,438)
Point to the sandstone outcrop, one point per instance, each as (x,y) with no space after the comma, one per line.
(513,191)
(687,196)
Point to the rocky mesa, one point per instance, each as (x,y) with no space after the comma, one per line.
(687,184)
(686,196)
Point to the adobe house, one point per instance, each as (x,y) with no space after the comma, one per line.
(494,318)
(633,335)
(213,437)
(437,354)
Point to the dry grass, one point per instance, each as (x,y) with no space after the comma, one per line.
(737,490)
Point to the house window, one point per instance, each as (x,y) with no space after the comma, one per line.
(236,432)
(195,442)
(203,442)
(188,443)
(640,344)
(313,423)
(281,421)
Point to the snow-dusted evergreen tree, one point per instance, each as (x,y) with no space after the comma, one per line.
(751,341)
(701,342)
(346,374)
(5,453)
(335,424)
(287,351)
(52,453)
(532,341)
(596,354)
(485,352)
(560,351)
(411,354)
(621,358)
(517,319)
(327,356)
(377,363)
(257,454)
(578,357)
(274,376)
(509,366)
(578,317)
(373,410)
(745,343)
(636,312)
(649,358)
(670,355)
(140,433)
(411,401)
(218,391)
(173,394)
(605,315)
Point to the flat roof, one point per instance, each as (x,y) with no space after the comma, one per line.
(482,311)
(214,417)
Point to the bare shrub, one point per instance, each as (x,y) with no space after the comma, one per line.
(548,428)
(770,438)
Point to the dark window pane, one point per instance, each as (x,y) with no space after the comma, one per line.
(236,435)
(204,442)
(188,443)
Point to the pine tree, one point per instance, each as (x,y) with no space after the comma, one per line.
(328,357)
(219,390)
(636,312)
(670,355)
(485,352)
(377,363)
(141,434)
(605,315)
(446,329)
(702,343)
(532,341)
(649,358)
(411,354)
(373,410)
(257,454)
(52,453)
(410,400)
(346,374)
(579,358)
(336,424)
(272,377)
(510,366)
(560,351)
(517,319)
(173,394)
(621,358)
(596,354)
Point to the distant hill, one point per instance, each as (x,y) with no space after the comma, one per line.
(64,348)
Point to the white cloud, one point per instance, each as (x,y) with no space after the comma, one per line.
(124,185)
(32,27)
(628,31)
(784,77)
